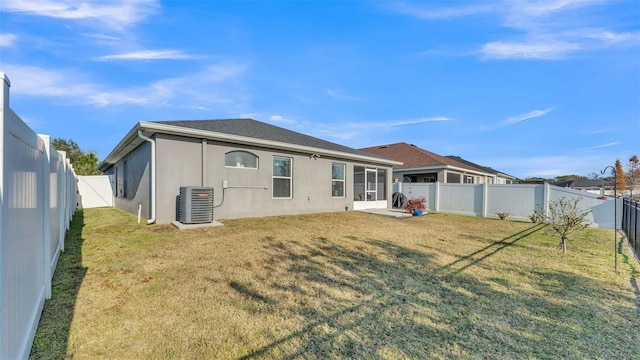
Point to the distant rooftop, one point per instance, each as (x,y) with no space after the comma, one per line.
(415,157)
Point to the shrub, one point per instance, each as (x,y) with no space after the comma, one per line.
(565,217)
(538,215)
(413,204)
(503,215)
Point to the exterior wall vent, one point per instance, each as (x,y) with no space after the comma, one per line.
(195,205)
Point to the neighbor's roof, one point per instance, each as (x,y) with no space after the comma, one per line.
(485,168)
(240,131)
(414,157)
(582,184)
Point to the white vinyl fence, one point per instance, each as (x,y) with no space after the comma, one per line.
(519,200)
(37,201)
(94,191)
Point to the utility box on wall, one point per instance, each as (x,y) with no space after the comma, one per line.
(195,205)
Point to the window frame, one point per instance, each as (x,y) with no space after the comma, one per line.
(274,177)
(242,167)
(343,180)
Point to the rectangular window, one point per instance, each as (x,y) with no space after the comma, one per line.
(282,179)
(124,179)
(116,177)
(454,178)
(468,179)
(337,180)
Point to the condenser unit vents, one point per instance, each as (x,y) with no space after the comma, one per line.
(195,205)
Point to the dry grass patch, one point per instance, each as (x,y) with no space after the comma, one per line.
(338,285)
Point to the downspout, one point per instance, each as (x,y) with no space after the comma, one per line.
(153,177)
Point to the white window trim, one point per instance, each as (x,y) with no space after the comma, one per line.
(283,177)
(344,182)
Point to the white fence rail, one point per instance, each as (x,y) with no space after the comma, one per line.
(37,201)
(519,200)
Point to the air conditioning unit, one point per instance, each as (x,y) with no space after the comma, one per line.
(195,205)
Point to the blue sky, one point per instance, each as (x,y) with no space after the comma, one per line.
(530,88)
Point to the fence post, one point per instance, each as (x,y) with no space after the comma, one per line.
(436,202)
(46,212)
(4,107)
(485,199)
(62,197)
(545,196)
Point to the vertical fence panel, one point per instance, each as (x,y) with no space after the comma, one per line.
(23,224)
(519,200)
(460,199)
(630,219)
(54,208)
(34,215)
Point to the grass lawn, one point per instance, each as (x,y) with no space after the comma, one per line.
(338,285)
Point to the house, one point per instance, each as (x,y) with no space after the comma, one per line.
(255,169)
(600,187)
(500,177)
(419,165)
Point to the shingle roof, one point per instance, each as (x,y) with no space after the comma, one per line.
(241,131)
(259,130)
(485,168)
(414,157)
(581,184)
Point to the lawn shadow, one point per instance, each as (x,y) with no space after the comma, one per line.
(482,254)
(52,336)
(373,298)
(632,262)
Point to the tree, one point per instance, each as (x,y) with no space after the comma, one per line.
(633,172)
(621,181)
(565,178)
(564,217)
(84,163)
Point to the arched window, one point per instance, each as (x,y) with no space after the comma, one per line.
(241,159)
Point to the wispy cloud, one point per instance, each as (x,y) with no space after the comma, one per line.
(212,85)
(394,123)
(149,55)
(548,166)
(542,30)
(603,145)
(611,38)
(339,95)
(352,130)
(115,14)
(198,90)
(550,50)
(524,117)
(7,40)
(281,119)
(36,81)
(427,11)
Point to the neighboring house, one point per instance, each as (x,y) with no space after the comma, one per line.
(255,169)
(600,187)
(419,165)
(500,177)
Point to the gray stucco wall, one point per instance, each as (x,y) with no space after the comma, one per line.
(131,183)
(183,161)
